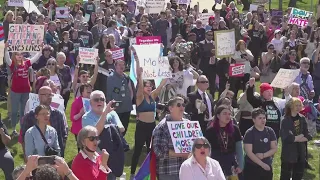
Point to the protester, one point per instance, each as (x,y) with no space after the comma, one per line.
(6,159)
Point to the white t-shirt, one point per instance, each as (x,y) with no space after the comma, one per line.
(278,44)
(181,81)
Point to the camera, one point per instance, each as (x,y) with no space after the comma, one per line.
(162,107)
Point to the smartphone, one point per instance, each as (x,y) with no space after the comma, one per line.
(116,104)
(46,160)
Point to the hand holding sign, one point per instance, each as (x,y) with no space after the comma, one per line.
(252,81)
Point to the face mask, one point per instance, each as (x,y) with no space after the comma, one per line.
(89,150)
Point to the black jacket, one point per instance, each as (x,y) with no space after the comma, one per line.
(292,150)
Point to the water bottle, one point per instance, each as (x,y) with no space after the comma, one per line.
(123,176)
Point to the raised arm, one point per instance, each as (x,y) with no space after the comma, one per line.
(7,56)
(36,57)
(76,74)
(155,93)
(95,73)
(139,70)
(100,124)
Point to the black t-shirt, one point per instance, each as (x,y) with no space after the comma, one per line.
(273,116)
(296,122)
(291,65)
(221,142)
(260,141)
(3,126)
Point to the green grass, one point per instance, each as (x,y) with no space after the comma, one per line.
(71,149)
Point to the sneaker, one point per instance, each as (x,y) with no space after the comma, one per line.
(14,134)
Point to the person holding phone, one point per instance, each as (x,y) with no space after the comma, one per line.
(146,109)
(6,159)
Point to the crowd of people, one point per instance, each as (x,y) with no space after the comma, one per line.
(240,131)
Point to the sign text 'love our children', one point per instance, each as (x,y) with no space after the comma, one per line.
(25,38)
(183,134)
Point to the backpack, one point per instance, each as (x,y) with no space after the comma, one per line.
(111,141)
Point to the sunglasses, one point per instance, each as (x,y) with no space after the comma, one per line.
(203,82)
(93,138)
(305,63)
(181,104)
(50,64)
(199,146)
(99,99)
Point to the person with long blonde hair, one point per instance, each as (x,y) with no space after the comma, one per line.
(8,19)
(20,84)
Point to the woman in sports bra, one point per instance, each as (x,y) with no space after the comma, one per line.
(146,110)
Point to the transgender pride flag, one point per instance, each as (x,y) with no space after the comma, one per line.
(1,32)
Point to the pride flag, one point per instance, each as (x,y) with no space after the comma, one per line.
(147,170)
(1,32)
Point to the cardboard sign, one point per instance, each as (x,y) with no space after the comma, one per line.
(62,12)
(56,103)
(225,43)
(86,104)
(204,17)
(155,6)
(118,54)
(148,40)
(17,3)
(187,2)
(236,70)
(285,78)
(299,17)
(183,134)
(88,55)
(25,38)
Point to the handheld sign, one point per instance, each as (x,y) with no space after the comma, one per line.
(155,6)
(88,55)
(25,38)
(183,134)
(148,40)
(187,2)
(204,17)
(56,103)
(299,17)
(17,3)
(236,70)
(285,78)
(225,43)
(117,54)
(86,104)
(62,12)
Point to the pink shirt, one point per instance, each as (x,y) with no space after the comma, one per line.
(76,107)
(192,170)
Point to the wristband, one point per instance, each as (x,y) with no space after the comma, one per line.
(69,173)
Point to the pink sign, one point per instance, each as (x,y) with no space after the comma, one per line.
(236,70)
(118,54)
(148,40)
(298,21)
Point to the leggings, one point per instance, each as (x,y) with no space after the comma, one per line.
(6,163)
(255,172)
(18,103)
(124,118)
(142,136)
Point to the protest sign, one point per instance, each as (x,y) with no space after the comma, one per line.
(152,64)
(17,3)
(117,54)
(276,13)
(62,12)
(88,55)
(29,6)
(183,133)
(2,46)
(299,17)
(155,6)
(148,40)
(86,104)
(204,17)
(97,4)
(236,70)
(253,7)
(25,38)
(285,78)
(224,43)
(57,102)
(187,2)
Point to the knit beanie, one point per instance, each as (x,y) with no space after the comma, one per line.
(264,87)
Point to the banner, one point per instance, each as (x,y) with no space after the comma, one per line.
(285,78)
(118,54)
(153,65)
(88,55)
(25,38)
(183,133)
(204,17)
(236,70)
(224,43)
(299,17)
(62,12)
(57,102)
(155,6)
(148,40)
(17,3)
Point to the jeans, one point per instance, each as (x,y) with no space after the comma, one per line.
(168,177)
(18,103)
(142,136)
(6,163)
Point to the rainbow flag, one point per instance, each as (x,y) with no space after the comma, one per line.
(147,170)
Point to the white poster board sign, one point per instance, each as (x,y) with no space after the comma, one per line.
(183,134)
(57,102)
(225,43)
(253,7)
(187,2)
(155,6)
(204,17)
(88,55)
(29,6)
(17,3)
(62,12)
(285,78)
